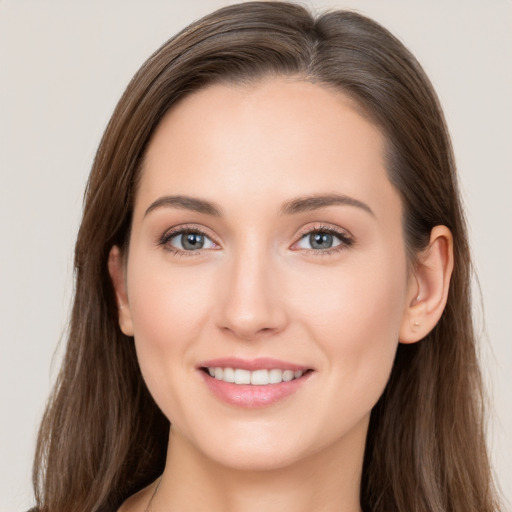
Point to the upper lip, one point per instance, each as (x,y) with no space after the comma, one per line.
(260,363)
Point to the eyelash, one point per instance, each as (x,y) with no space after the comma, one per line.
(346,240)
(169,235)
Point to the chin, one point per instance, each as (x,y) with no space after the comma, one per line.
(265,448)
(250,451)
(256,460)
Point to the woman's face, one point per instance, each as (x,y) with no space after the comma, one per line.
(266,244)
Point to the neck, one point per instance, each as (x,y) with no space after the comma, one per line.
(325,481)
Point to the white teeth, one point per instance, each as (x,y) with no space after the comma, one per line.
(259,377)
(241,376)
(229,375)
(275,376)
(287,375)
(256,377)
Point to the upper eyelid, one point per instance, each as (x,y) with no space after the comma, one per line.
(176,230)
(306,230)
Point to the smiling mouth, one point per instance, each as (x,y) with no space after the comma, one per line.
(260,377)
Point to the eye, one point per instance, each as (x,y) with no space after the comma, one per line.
(318,240)
(188,240)
(323,239)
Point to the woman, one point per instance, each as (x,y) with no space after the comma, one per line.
(272,260)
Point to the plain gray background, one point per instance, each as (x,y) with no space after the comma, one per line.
(63,65)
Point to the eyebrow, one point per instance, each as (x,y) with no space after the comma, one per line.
(294,206)
(315,202)
(186,203)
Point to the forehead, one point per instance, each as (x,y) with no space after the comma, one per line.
(275,138)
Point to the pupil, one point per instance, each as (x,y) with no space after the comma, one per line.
(192,241)
(320,240)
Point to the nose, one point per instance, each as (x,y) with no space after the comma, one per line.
(250,305)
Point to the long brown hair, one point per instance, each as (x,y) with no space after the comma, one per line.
(103,438)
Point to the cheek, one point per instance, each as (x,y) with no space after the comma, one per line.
(169,311)
(167,305)
(354,314)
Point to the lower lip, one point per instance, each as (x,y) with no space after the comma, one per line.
(250,396)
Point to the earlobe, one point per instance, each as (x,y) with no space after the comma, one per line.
(428,289)
(117,274)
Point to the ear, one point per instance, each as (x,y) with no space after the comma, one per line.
(116,270)
(428,287)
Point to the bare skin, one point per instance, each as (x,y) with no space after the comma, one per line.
(254,286)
